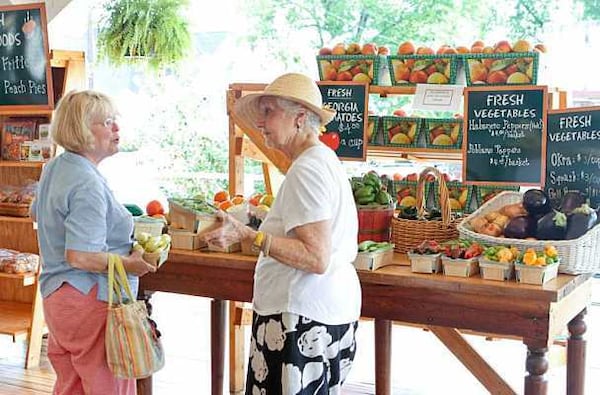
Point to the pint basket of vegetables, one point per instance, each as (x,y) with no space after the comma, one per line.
(426,257)
(372,255)
(498,263)
(537,267)
(460,258)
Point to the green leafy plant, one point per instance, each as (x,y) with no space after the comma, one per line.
(154,31)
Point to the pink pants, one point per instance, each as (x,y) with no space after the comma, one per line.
(76,325)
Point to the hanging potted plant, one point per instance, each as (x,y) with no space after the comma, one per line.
(152,31)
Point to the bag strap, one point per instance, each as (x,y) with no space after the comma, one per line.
(117,281)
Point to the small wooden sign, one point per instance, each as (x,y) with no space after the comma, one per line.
(25,73)
(573,153)
(504,138)
(346,134)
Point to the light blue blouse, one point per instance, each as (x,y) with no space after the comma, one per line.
(76,210)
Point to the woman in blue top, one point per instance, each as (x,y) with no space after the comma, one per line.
(79,223)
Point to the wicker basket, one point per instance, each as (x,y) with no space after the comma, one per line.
(409,233)
(577,256)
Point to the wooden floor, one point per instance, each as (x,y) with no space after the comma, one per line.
(422,364)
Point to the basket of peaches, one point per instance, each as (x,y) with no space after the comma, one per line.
(537,267)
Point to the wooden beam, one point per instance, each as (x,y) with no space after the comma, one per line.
(462,350)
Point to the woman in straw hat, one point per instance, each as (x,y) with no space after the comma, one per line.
(307,295)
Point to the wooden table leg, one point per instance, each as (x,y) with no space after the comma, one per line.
(383,356)
(576,345)
(218,309)
(537,366)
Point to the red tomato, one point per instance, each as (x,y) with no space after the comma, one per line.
(331,139)
(154,207)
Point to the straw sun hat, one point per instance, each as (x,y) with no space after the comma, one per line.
(295,87)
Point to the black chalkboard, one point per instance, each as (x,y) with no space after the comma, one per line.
(504,139)
(573,153)
(24,65)
(349,127)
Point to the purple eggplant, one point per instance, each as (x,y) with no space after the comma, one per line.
(536,202)
(552,226)
(571,200)
(521,227)
(581,219)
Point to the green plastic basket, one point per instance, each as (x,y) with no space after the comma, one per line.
(515,68)
(408,126)
(353,64)
(409,70)
(434,128)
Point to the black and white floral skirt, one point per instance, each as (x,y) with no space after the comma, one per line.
(291,354)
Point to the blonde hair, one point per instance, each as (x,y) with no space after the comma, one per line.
(74,115)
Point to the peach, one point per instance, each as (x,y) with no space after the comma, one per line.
(502,46)
(418,77)
(478,71)
(353,49)
(462,49)
(497,77)
(476,49)
(518,78)
(344,76)
(383,50)
(488,50)
(401,72)
(336,63)
(369,49)
(478,43)
(437,78)
(431,69)
(339,49)
(406,48)
(361,77)
(488,62)
(511,69)
(442,49)
(521,46)
(329,73)
(410,63)
(424,51)
(450,51)
(399,112)
(325,51)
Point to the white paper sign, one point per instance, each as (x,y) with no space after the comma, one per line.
(438,97)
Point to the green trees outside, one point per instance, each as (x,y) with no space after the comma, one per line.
(289,33)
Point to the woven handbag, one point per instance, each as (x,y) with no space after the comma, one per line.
(133,349)
(409,233)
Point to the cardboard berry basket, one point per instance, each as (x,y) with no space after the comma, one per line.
(515,68)
(581,255)
(425,263)
(499,271)
(459,267)
(536,275)
(409,70)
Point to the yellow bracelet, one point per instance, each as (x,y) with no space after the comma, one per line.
(259,239)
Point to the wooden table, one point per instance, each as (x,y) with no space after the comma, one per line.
(444,304)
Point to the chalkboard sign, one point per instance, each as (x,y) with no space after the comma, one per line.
(504,139)
(25,75)
(346,134)
(573,153)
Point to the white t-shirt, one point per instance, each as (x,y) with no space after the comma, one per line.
(316,188)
